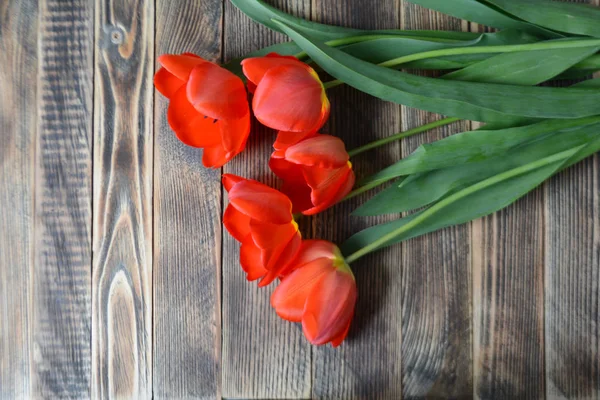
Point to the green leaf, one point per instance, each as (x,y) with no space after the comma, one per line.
(578,19)
(264,14)
(479,12)
(387,48)
(473,146)
(471,202)
(421,189)
(467,100)
(523,68)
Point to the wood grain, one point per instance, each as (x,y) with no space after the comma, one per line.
(187,229)
(63,259)
(368,363)
(122,265)
(18,113)
(508,301)
(508,297)
(436,274)
(572,282)
(263,355)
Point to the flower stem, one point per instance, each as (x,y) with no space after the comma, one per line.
(548,45)
(457,196)
(364,38)
(398,136)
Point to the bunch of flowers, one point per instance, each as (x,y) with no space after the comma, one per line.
(532,133)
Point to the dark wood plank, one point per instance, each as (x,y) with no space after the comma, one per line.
(573,283)
(368,363)
(263,355)
(508,301)
(63,259)
(18,111)
(187,229)
(122,267)
(508,298)
(436,274)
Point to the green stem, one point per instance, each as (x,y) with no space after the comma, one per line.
(548,45)
(457,196)
(361,189)
(398,136)
(365,38)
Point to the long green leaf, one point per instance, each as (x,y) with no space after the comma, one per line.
(264,14)
(473,146)
(578,19)
(467,100)
(523,68)
(471,202)
(481,13)
(421,189)
(388,48)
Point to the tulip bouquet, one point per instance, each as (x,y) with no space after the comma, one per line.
(530,132)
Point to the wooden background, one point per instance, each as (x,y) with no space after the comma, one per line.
(117,280)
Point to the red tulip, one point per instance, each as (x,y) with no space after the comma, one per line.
(316,172)
(289,95)
(261,219)
(208,106)
(320,292)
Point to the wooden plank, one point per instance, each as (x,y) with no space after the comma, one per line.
(508,298)
(368,363)
(436,274)
(18,111)
(63,253)
(573,283)
(263,356)
(122,265)
(187,228)
(508,301)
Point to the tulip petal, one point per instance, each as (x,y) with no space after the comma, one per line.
(236,223)
(328,196)
(234,134)
(299,194)
(180,65)
(279,265)
(329,307)
(290,98)
(255,68)
(313,249)
(217,92)
(261,202)
(268,236)
(191,127)
(250,260)
(229,180)
(290,296)
(215,157)
(324,151)
(336,341)
(287,139)
(326,183)
(167,83)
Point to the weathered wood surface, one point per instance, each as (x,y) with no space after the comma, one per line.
(18,127)
(368,365)
(263,356)
(187,229)
(136,291)
(63,218)
(436,278)
(123,155)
